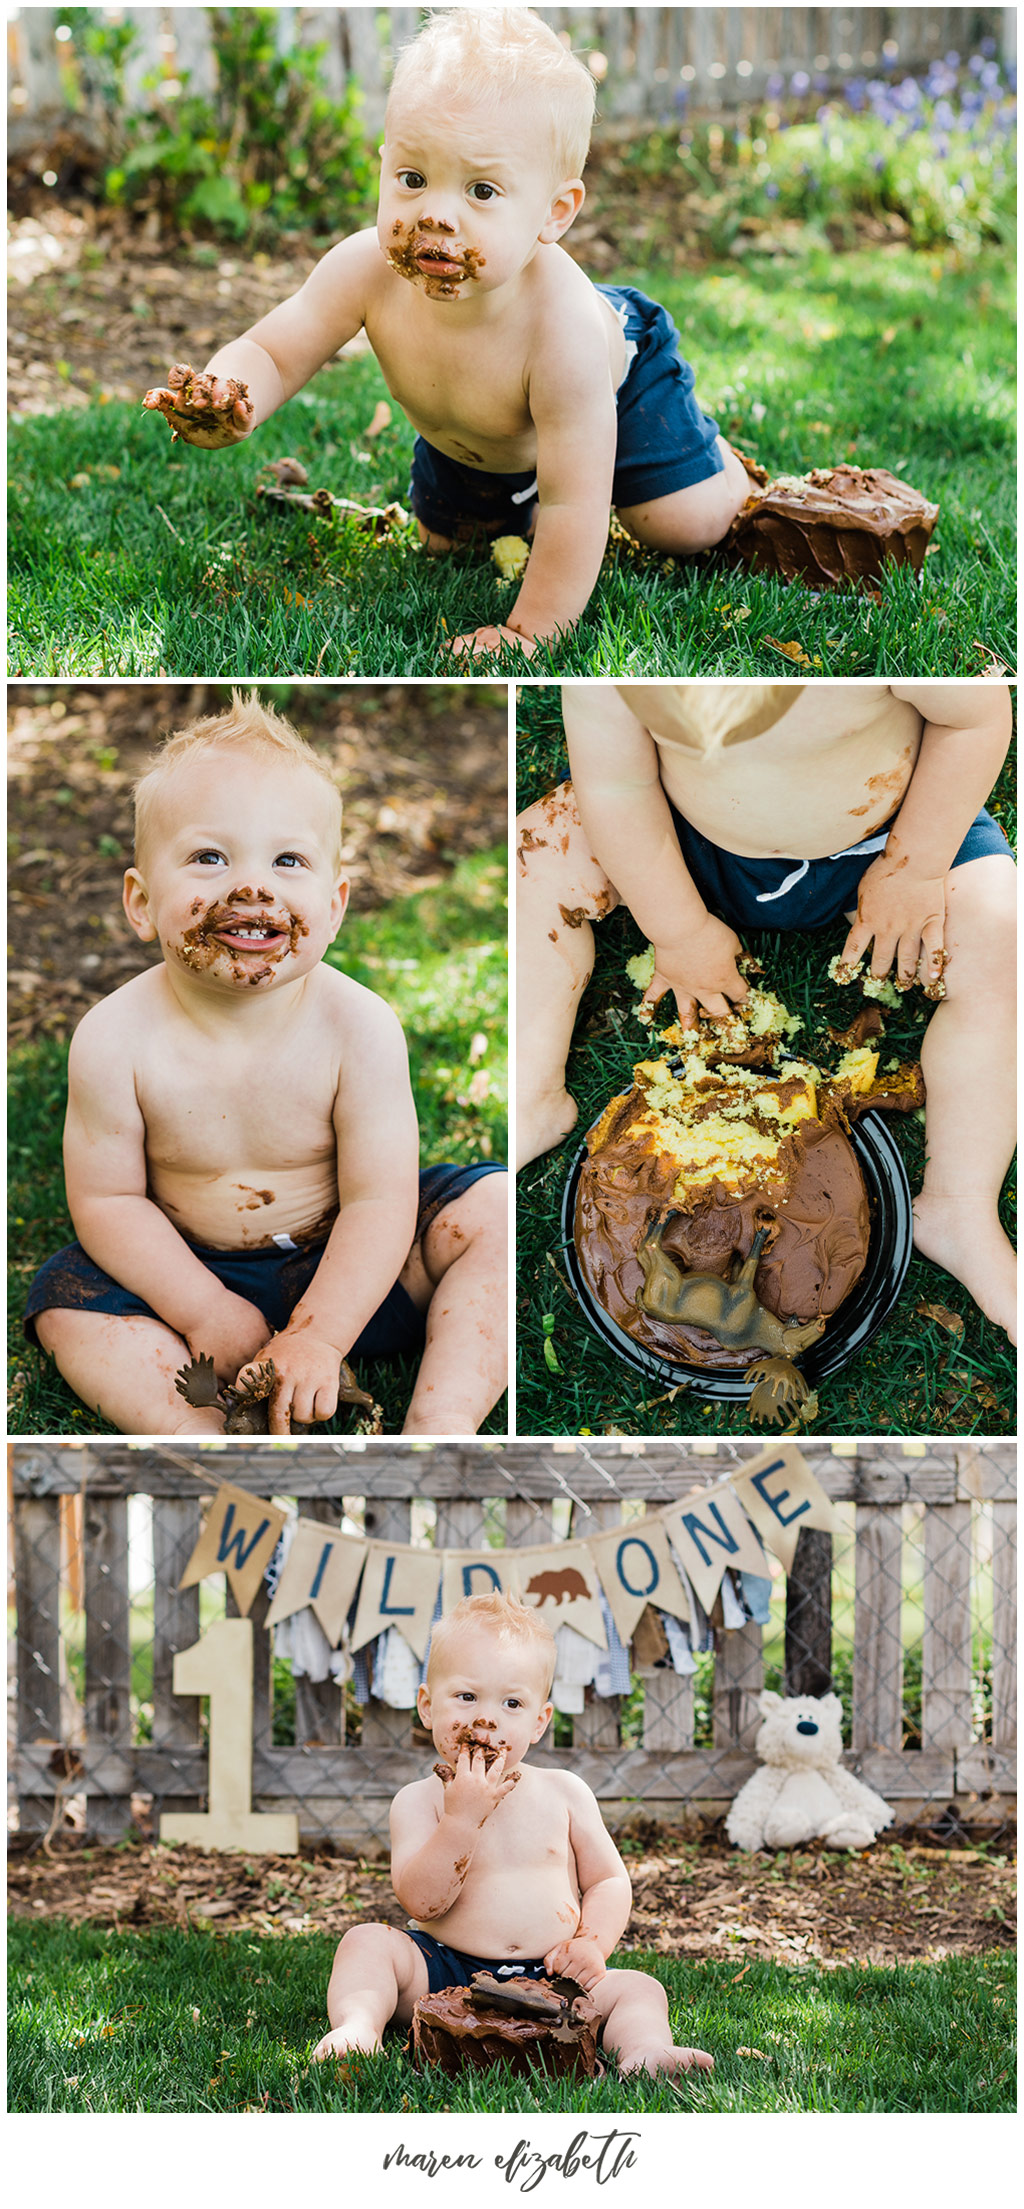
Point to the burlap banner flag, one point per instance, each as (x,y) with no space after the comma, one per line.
(322,1569)
(239,1537)
(636,1568)
(780,1494)
(710,1532)
(399,1588)
(561,1582)
(476,1572)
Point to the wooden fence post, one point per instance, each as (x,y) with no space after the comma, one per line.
(37,1573)
(809,1615)
(108,1654)
(176,1720)
(386,1520)
(877,1719)
(946,1717)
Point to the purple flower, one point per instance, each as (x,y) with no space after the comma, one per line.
(856,94)
(800,82)
(987,46)
(775,86)
(907,94)
(990,76)
(771,191)
(878,163)
(943,116)
(976,64)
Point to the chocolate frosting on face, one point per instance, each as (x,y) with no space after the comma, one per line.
(831,526)
(814,1194)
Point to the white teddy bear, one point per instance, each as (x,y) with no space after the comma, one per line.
(803,1792)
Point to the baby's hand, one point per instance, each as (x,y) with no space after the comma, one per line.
(308,1371)
(231,1331)
(905,915)
(581,1959)
(204,410)
(473,1791)
(701,970)
(490,640)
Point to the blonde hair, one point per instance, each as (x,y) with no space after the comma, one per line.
(486,51)
(246,725)
(510,1621)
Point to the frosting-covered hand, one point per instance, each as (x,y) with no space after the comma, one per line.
(701,970)
(904,915)
(210,411)
(581,1958)
(477,1785)
(308,1370)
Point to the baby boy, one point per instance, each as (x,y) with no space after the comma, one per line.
(501,1868)
(710,808)
(540,399)
(241,1147)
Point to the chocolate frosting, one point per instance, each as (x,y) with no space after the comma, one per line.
(831,526)
(448,2033)
(814,1193)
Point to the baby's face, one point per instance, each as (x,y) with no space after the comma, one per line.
(238,879)
(491,1689)
(466,193)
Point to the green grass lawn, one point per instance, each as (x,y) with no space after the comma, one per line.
(131,556)
(439,959)
(915,1378)
(175,2021)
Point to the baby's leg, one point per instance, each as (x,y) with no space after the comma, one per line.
(124,1369)
(636,2027)
(378,1973)
(458,1275)
(560,889)
(969,1058)
(695,519)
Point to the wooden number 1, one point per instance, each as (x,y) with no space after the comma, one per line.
(220,1666)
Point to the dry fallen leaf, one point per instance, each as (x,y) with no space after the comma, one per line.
(942,1316)
(994,666)
(381,420)
(758,2052)
(793,651)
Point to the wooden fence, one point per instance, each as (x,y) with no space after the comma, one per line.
(91,1747)
(642,57)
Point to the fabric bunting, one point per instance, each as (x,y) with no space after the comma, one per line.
(672,1562)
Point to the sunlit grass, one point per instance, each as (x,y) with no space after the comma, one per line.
(161,561)
(94,2015)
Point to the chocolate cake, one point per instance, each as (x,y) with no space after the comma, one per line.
(721,1154)
(831,526)
(458,2027)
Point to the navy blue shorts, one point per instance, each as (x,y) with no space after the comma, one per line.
(274,1280)
(800,893)
(451,1967)
(665,442)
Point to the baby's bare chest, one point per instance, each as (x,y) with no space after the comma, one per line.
(205,1109)
(468,387)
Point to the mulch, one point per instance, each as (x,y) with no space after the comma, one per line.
(423,771)
(698,1900)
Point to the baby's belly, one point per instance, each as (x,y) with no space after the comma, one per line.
(248,1208)
(522,1916)
(786,812)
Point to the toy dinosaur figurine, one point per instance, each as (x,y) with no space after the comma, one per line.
(246,1408)
(725,1307)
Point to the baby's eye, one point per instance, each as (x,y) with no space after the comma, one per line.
(289,859)
(512,1702)
(482,192)
(413,179)
(465,1695)
(209,858)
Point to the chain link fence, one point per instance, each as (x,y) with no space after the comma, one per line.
(907,1612)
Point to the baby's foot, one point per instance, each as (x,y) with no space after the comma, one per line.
(346,2041)
(541,1122)
(966,1238)
(668,2061)
(210,411)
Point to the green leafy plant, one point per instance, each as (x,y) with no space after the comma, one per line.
(267,152)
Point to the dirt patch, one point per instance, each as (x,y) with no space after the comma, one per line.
(423,771)
(695,1899)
